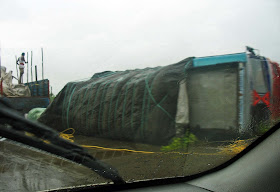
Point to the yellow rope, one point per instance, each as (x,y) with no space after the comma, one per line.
(145,152)
(234,148)
(67,136)
(70,137)
(112,149)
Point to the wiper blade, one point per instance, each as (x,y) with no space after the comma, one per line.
(58,146)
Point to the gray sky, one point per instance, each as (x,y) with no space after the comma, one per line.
(83,37)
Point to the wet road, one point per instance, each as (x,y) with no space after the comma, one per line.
(23,169)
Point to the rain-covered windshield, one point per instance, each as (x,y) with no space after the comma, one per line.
(130,91)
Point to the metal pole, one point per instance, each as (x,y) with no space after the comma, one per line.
(31,68)
(42,65)
(27,69)
(36,73)
(36,84)
(16,67)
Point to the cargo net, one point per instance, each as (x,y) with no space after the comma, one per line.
(134,105)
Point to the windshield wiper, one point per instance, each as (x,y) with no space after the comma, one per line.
(18,125)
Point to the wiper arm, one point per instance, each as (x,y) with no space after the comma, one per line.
(58,146)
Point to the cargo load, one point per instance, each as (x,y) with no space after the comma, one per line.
(138,105)
(8,89)
(220,96)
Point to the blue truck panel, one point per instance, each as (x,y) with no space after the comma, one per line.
(25,104)
(39,88)
(219,59)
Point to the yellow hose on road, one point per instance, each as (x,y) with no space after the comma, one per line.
(113,149)
(231,149)
(67,136)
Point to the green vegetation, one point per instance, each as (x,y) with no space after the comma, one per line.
(180,143)
(262,128)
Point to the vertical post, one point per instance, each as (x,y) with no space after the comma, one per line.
(31,68)
(27,68)
(36,73)
(48,89)
(16,67)
(42,64)
(36,84)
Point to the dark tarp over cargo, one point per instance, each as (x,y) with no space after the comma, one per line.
(135,105)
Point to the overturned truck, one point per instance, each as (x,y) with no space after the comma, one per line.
(152,105)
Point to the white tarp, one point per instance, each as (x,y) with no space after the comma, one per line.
(182,115)
(11,90)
